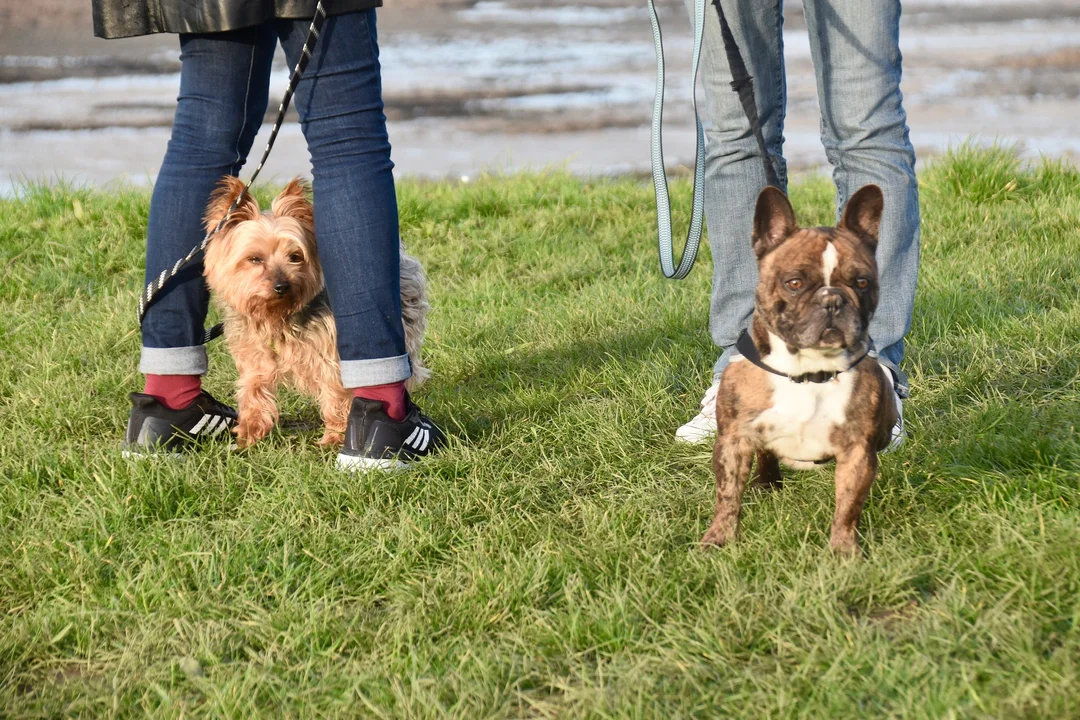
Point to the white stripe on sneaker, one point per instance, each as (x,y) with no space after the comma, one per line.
(419,439)
(199,425)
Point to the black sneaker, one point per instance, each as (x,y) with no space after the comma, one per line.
(155,429)
(373,440)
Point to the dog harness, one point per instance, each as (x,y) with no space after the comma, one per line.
(746,347)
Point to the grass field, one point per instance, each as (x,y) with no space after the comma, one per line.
(546,566)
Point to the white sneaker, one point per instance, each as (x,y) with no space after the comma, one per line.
(702,426)
(898,433)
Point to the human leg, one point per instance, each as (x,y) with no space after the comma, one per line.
(339,101)
(223,94)
(734,174)
(855,48)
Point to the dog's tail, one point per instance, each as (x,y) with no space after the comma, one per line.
(414,309)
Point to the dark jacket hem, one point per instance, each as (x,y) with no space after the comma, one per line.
(115,19)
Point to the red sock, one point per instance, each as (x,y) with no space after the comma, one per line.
(391,395)
(175,392)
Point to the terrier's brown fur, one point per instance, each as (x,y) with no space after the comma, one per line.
(287,336)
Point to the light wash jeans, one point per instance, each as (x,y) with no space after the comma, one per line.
(854,45)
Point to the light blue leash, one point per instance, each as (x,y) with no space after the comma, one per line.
(741,83)
(659,172)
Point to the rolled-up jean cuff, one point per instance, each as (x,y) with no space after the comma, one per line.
(174,361)
(380,371)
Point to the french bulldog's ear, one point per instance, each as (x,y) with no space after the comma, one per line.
(222,199)
(293,202)
(774,221)
(862,215)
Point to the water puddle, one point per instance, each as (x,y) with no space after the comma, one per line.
(513,84)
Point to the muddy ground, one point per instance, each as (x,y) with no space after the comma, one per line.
(482,86)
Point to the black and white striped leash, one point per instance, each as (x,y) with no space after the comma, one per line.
(155,285)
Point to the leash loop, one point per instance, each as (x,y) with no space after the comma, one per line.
(153,288)
(659,171)
(741,83)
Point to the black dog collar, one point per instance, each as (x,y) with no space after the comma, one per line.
(746,347)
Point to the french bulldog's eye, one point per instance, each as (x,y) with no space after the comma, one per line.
(862,283)
(255,260)
(794,284)
(296,258)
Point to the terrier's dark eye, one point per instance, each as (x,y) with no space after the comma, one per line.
(255,260)
(862,283)
(296,258)
(794,284)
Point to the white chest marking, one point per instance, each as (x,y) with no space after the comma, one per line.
(806,360)
(828,263)
(799,425)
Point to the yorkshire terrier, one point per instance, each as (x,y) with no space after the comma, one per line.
(263,269)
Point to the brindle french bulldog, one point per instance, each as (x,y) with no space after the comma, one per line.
(806,389)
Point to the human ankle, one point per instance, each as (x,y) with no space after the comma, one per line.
(391,395)
(175,392)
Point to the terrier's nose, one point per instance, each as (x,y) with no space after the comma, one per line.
(831,298)
(281,287)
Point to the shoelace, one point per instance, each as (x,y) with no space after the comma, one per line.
(708,403)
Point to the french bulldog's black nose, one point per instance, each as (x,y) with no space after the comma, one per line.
(831,298)
(281,287)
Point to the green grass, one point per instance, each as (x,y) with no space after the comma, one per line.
(546,565)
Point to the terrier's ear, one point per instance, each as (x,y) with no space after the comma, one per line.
(862,215)
(222,199)
(293,202)
(774,221)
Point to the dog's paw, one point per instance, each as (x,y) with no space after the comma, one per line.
(767,474)
(331,438)
(844,545)
(717,537)
(767,484)
(247,434)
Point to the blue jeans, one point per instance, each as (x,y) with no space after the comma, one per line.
(224,86)
(855,49)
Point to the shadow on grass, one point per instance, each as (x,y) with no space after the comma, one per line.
(534,385)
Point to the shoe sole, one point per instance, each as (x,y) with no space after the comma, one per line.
(698,431)
(139,455)
(356,463)
(697,440)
